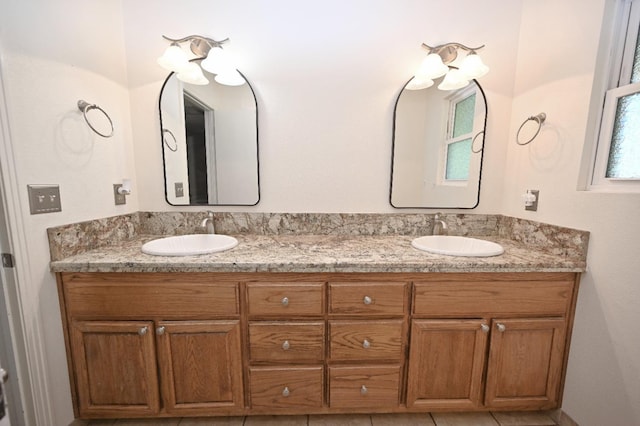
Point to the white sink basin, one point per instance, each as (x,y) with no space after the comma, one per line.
(187,245)
(452,245)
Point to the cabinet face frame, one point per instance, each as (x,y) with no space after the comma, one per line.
(563,289)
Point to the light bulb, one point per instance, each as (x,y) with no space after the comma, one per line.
(473,67)
(217,61)
(453,80)
(192,74)
(432,67)
(230,78)
(174,58)
(419,83)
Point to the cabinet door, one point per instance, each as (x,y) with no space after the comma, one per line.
(446,363)
(115,367)
(525,363)
(201,366)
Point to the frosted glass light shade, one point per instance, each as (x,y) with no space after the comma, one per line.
(473,67)
(419,83)
(192,74)
(454,80)
(174,58)
(217,61)
(230,78)
(432,67)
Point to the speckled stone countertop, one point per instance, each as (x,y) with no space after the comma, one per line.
(529,247)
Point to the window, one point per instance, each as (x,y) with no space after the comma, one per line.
(617,161)
(459,136)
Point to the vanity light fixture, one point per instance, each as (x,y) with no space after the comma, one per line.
(214,60)
(440,62)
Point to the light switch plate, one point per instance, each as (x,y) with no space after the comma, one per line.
(44,199)
(118,198)
(179,189)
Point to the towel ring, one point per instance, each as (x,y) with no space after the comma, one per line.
(474,141)
(175,142)
(85,107)
(540,119)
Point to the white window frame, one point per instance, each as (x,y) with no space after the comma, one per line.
(620,69)
(454,100)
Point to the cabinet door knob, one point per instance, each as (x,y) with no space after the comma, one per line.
(363,390)
(143,330)
(286,345)
(501,327)
(285,391)
(366,344)
(484,328)
(160,330)
(367,300)
(285,301)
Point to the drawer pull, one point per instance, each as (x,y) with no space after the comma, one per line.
(143,330)
(484,328)
(363,390)
(367,300)
(160,330)
(285,391)
(286,345)
(366,344)
(285,301)
(501,327)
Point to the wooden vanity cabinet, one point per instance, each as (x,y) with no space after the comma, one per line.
(207,344)
(149,344)
(489,341)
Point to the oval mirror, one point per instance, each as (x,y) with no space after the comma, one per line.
(438,142)
(209,143)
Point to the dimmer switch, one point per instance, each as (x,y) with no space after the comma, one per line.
(44,199)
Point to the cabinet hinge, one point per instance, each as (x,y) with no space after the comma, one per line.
(7,260)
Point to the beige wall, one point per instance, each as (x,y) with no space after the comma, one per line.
(326,75)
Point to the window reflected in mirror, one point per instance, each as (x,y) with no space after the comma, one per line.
(438,142)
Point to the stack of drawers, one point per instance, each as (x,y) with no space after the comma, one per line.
(286,345)
(354,340)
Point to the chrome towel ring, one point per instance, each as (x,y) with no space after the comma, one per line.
(175,142)
(538,118)
(85,107)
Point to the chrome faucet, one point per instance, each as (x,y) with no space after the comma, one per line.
(439,225)
(207,223)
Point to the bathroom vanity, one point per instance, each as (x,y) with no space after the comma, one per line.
(315,324)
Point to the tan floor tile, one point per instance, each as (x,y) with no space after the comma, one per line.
(525,418)
(147,422)
(212,421)
(421,419)
(340,420)
(275,421)
(464,419)
(101,422)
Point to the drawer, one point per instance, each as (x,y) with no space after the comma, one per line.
(286,341)
(366,340)
(388,298)
(480,298)
(366,386)
(145,295)
(275,388)
(277,299)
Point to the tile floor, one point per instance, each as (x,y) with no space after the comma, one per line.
(433,419)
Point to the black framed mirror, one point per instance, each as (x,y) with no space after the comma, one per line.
(437,149)
(209,143)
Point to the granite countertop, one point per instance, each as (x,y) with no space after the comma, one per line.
(317,253)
